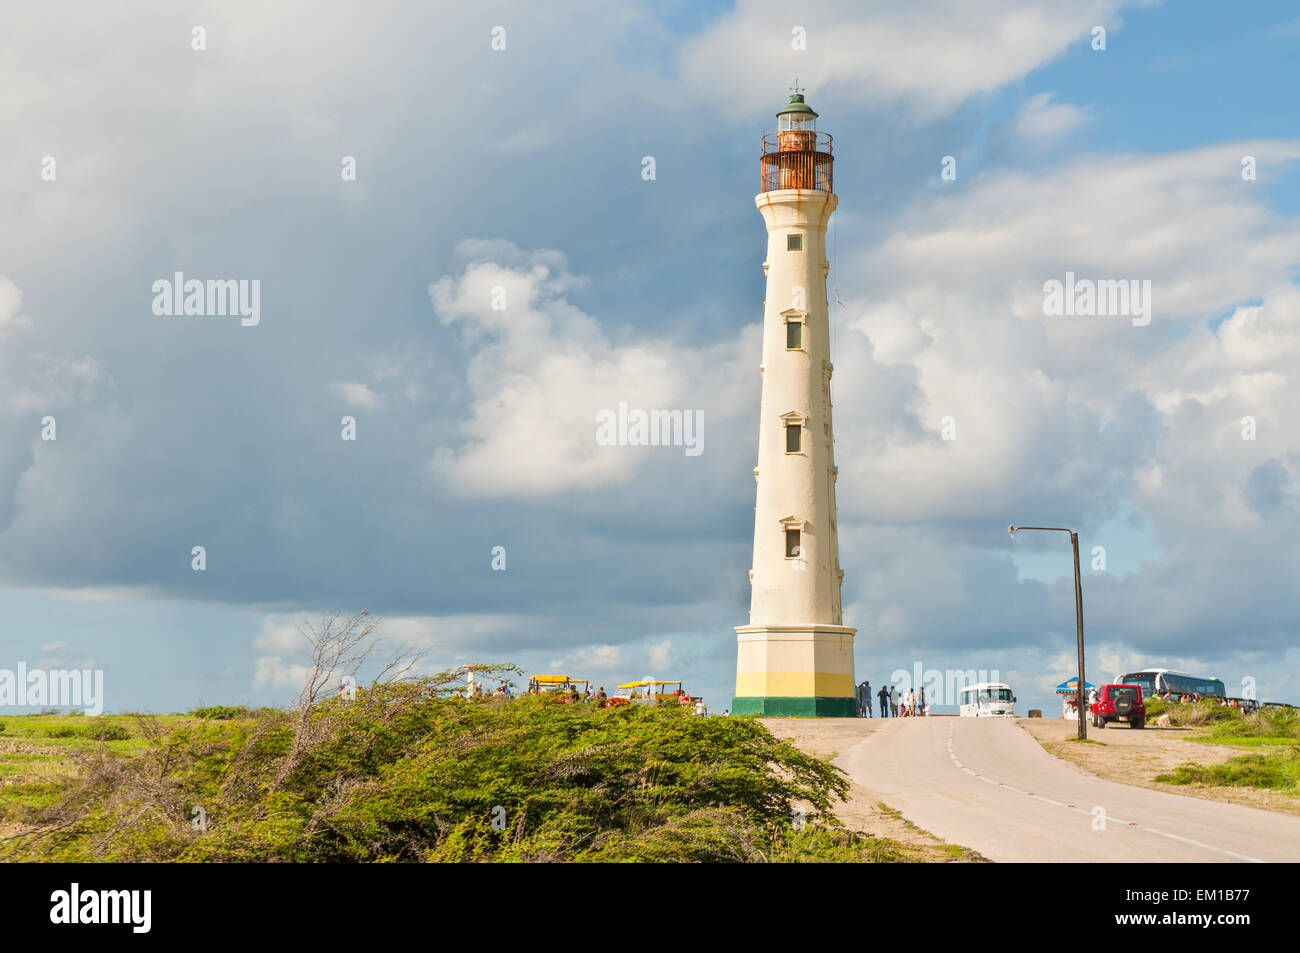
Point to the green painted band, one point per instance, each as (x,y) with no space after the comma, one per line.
(772,706)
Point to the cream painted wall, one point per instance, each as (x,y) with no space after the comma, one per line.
(795,643)
(799,485)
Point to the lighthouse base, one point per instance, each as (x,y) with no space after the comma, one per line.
(776,706)
(795,670)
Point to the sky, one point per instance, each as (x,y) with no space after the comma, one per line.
(503,146)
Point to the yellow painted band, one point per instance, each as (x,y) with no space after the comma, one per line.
(795,684)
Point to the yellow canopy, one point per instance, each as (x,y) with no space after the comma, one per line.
(643,684)
(556,679)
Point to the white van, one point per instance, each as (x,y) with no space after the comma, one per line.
(987,700)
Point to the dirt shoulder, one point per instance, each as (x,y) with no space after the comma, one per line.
(1136,757)
(863,810)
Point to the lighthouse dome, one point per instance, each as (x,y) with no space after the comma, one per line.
(797,105)
(797,114)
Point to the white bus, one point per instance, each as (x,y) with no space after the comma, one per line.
(987,700)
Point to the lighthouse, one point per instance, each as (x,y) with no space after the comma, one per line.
(795,657)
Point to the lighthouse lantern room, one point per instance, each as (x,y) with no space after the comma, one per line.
(797,156)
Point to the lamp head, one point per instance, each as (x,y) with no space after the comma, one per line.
(1011,530)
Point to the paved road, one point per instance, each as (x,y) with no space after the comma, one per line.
(986,784)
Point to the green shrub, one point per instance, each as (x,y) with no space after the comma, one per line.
(104,731)
(95,730)
(404,773)
(1278,726)
(221,712)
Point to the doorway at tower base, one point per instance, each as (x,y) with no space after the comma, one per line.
(775,706)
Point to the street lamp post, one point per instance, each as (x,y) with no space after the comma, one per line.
(1078,612)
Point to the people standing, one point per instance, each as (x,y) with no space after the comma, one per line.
(866,697)
(893,701)
(911,702)
(883,695)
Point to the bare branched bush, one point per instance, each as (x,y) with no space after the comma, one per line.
(149,789)
(339,649)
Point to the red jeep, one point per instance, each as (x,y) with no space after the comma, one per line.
(1119,703)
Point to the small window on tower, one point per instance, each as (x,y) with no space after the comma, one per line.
(792,542)
(793,335)
(793,437)
(794,243)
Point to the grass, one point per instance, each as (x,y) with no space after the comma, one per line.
(955,851)
(79,730)
(1275,769)
(38,753)
(1271,771)
(33,794)
(1280,727)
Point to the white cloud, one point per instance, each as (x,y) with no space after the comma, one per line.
(11,300)
(450,632)
(1052,408)
(542,370)
(278,633)
(1041,121)
(52,383)
(106,594)
(60,655)
(932,55)
(356,394)
(664,655)
(596,658)
(34,382)
(1073,421)
(275,672)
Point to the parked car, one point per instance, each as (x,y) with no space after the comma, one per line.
(1119,703)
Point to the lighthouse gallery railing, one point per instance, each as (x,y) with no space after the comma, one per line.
(797,159)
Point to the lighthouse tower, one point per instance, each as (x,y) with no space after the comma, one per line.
(795,657)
